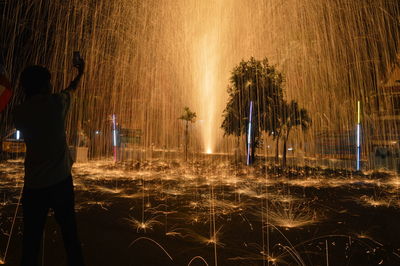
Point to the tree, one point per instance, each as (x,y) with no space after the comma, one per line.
(187,116)
(252,81)
(286,117)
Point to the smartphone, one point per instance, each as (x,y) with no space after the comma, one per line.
(76,60)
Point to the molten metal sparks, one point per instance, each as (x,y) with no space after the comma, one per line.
(380,201)
(152,241)
(103,189)
(147,59)
(291,215)
(103,205)
(197,258)
(181,197)
(144,225)
(172,233)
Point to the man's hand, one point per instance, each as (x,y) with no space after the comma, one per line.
(80,65)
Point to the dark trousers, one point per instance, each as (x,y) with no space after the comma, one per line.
(36,204)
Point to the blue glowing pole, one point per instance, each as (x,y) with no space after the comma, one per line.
(114,122)
(358,165)
(249,134)
(358,148)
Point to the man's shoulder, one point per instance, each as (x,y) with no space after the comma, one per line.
(19,109)
(16,111)
(62,94)
(63,97)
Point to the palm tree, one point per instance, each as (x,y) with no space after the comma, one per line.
(292,116)
(187,116)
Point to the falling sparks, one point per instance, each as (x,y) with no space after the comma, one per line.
(147,59)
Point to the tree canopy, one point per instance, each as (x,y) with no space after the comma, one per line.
(188,115)
(256,81)
(261,83)
(285,118)
(252,81)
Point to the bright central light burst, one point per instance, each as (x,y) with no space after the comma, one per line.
(211,69)
(207,58)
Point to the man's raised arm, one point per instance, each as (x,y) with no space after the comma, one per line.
(79,63)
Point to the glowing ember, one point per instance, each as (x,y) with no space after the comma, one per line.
(144,225)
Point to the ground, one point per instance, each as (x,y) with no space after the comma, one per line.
(218,213)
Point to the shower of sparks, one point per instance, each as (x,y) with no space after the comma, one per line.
(146,60)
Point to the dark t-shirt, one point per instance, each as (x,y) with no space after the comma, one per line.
(41,120)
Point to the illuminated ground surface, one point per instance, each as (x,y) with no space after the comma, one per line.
(128,213)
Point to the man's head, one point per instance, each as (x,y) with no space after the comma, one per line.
(35,80)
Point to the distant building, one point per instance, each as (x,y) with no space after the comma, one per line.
(385,120)
(336,144)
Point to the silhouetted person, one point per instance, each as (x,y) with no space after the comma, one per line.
(48,181)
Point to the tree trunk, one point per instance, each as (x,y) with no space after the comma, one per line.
(284,153)
(237,154)
(253,150)
(277,151)
(285,138)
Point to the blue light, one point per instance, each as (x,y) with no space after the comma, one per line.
(114,122)
(18,135)
(114,130)
(358,166)
(358,152)
(249,134)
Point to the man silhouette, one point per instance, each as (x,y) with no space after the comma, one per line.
(48,181)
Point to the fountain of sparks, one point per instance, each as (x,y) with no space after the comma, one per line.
(207,63)
(146,60)
(147,68)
